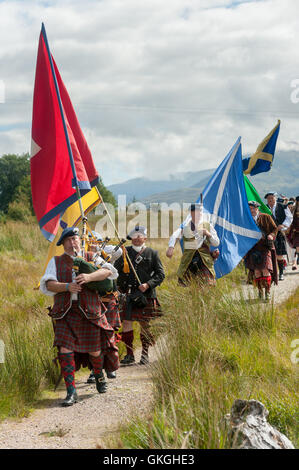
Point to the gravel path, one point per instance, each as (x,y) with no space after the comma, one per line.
(86,424)
(282,291)
(83,425)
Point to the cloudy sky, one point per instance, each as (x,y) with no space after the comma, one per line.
(158,87)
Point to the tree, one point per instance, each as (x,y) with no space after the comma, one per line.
(14,179)
(106,194)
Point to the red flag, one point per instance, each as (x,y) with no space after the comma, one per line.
(60,157)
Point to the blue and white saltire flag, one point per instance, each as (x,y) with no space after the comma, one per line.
(224,198)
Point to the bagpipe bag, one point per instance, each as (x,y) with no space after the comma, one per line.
(84,267)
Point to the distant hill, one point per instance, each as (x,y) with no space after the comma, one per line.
(186,187)
(140,188)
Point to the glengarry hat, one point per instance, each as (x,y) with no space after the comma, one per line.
(68,232)
(97,236)
(271,193)
(138,229)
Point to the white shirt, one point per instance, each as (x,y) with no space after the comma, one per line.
(51,275)
(289,218)
(194,244)
(117,254)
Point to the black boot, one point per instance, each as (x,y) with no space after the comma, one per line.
(70,399)
(91,379)
(101,384)
(128,360)
(111,375)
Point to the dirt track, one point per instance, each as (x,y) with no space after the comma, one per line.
(85,424)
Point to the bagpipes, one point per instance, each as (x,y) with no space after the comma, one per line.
(83,266)
(99,259)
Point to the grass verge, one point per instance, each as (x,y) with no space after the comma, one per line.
(217,349)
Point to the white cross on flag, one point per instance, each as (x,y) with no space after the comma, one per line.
(224,198)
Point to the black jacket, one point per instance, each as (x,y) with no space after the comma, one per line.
(148,267)
(279,215)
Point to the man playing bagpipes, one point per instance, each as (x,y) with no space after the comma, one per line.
(109,294)
(198,236)
(261,259)
(139,275)
(78,313)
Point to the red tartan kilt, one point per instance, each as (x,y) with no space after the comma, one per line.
(112,312)
(76,333)
(152,310)
(204,276)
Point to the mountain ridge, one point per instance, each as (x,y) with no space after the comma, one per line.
(187,186)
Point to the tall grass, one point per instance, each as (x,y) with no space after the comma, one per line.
(216,348)
(25,327)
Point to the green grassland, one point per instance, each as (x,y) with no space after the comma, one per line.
(218,349)
(25,326)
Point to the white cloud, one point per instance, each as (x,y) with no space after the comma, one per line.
(156,85)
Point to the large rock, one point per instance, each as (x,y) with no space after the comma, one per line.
(249,428)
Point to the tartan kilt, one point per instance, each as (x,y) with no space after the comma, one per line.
(265,260)
(76,333)
(150,311)
(280,244)
(112,312)
(203,276)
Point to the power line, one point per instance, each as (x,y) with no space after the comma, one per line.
(174,109)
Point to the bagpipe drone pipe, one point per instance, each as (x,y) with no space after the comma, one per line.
(81,266)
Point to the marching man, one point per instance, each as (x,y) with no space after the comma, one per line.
(282,217)
(261,259)
(109,298)
(80,322)
(141,303)
(197,260)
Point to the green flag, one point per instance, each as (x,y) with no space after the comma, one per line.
(252,195)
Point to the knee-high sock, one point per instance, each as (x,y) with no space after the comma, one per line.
(67,365)
(259,283)
(264,281)
(97,363)
(146,337)
(128,337)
